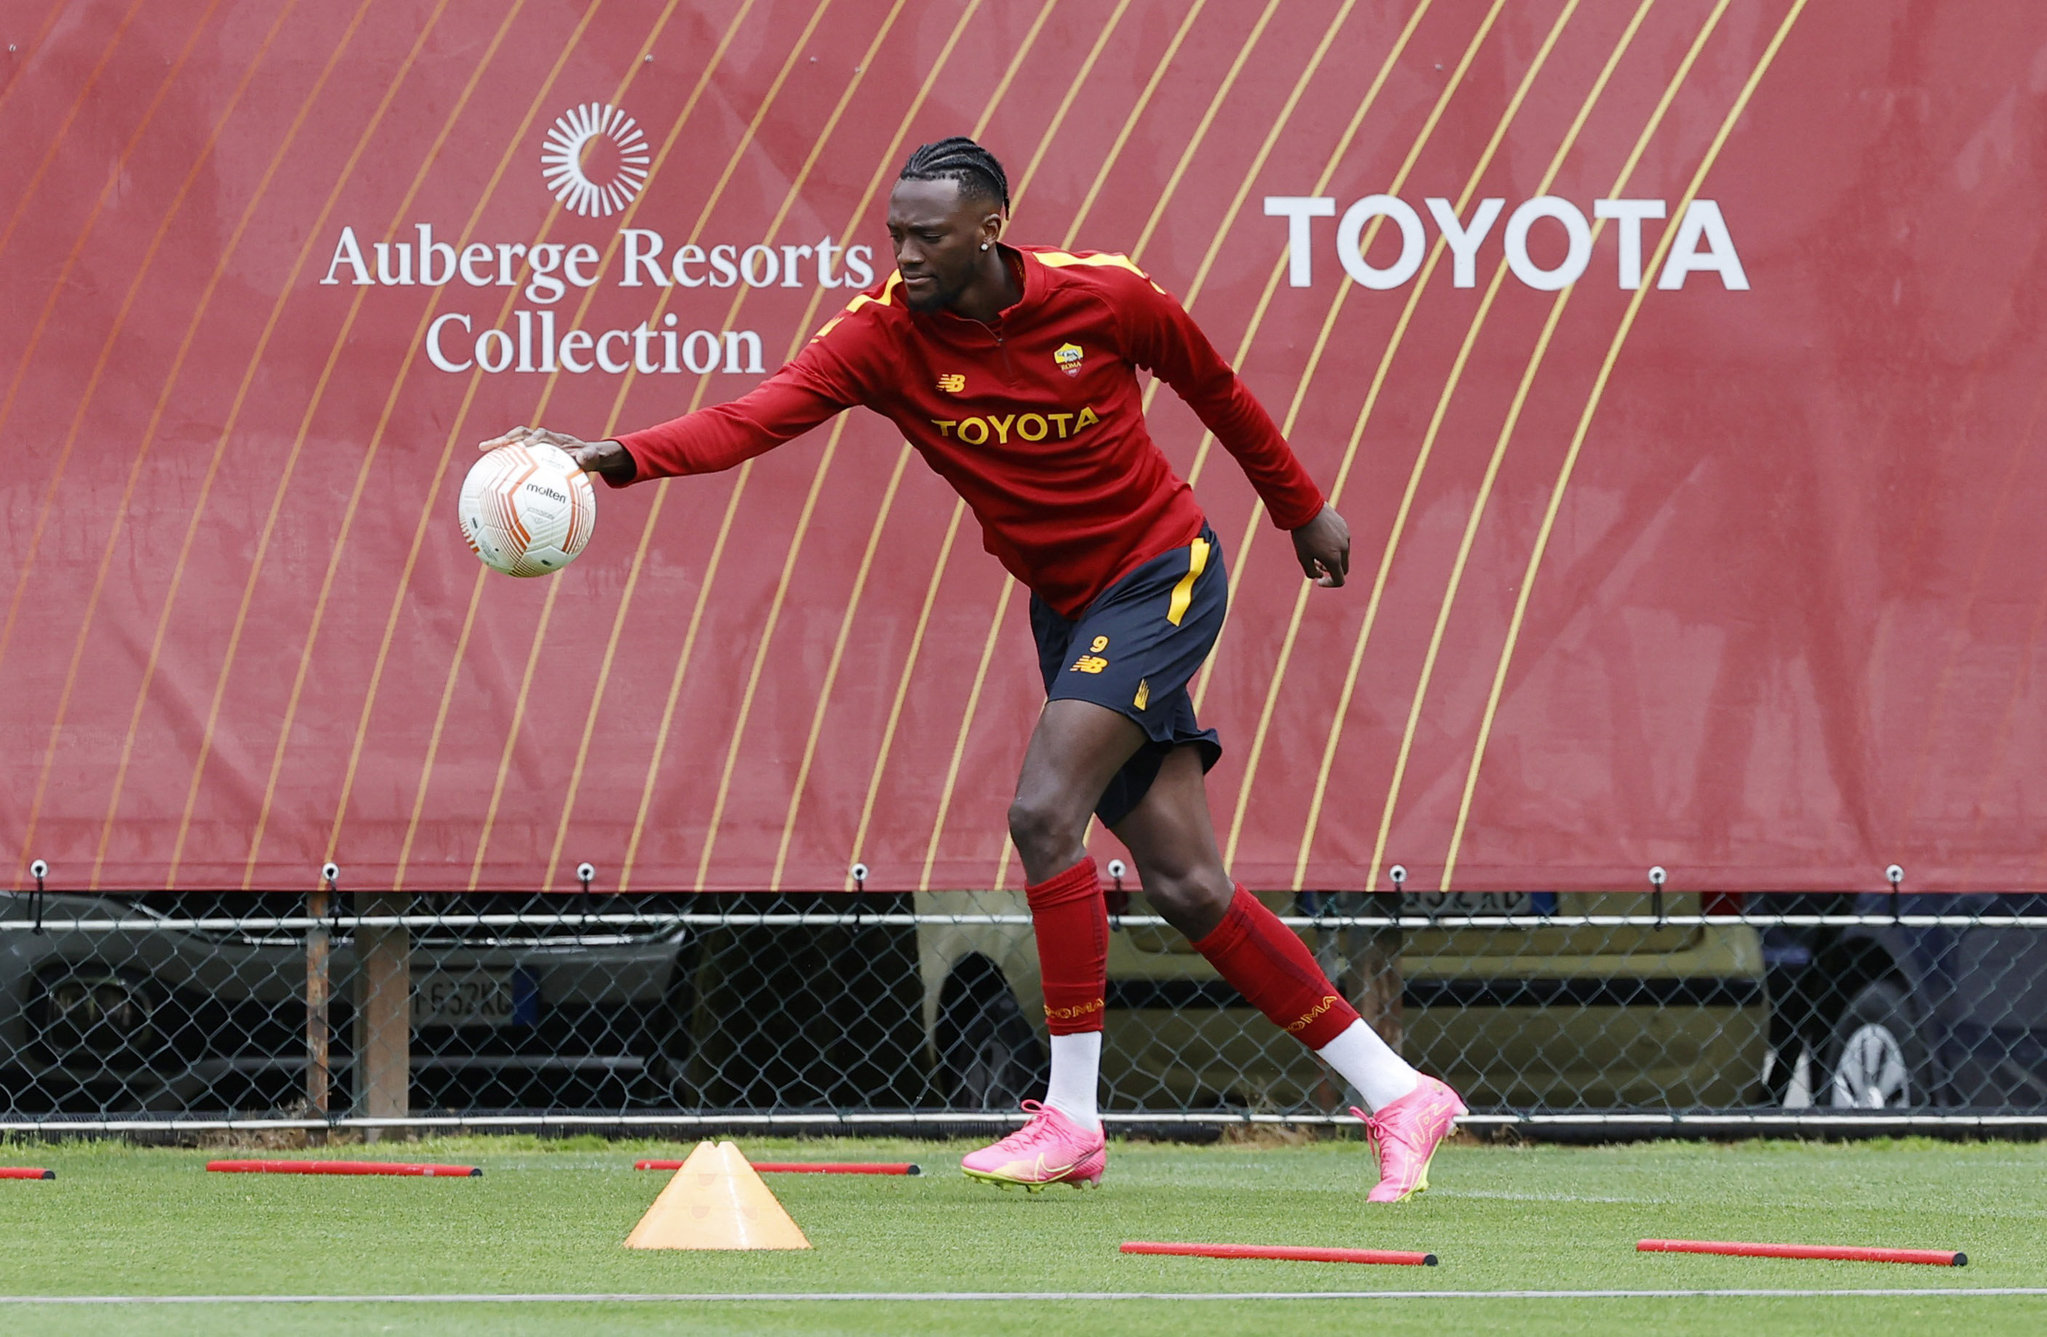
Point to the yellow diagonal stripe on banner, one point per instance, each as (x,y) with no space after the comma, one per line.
(1365,104)
(1585,422)
(149,431)
(62,285)
(1195,143)
(760,655)
(895,708)
(1420,285)
(1479,502)
(1279,265)
(547,607)
(625,602)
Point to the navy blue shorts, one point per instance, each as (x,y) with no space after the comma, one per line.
(1133,649)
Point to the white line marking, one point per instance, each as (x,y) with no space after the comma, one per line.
(964,1297)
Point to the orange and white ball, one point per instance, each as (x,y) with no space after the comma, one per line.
(527,510)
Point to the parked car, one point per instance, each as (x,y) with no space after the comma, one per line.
(560,1014)
(1545,1016)
(1884,1015)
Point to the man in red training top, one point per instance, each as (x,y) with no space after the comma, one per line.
(1013,371)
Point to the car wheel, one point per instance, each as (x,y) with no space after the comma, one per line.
(989,1052)
(1875,1056)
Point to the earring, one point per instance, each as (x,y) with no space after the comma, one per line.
(984,245)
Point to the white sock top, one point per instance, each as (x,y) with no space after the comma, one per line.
(1361,1058)
(1076,1077)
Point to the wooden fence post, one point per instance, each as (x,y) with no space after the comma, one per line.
(383,1012)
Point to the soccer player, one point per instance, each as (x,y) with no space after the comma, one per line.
(1013,371)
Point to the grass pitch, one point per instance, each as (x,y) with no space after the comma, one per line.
(549,1217)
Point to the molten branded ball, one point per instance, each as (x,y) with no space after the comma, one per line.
(527,510)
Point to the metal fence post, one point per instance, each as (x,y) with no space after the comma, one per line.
(1375,960)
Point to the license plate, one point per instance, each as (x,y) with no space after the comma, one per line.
(1439,903)
(468,998)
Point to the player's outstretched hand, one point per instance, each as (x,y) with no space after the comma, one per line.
(597,457)
(1323,545)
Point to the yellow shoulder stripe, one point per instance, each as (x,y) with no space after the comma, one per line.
(1110,260)
(887,298)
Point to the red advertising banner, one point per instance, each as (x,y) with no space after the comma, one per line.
(1674,363)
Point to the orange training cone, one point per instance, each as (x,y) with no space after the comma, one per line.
(716,1201)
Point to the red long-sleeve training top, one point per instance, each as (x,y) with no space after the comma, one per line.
(1035,418)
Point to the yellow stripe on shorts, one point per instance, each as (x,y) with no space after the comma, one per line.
(1183,593)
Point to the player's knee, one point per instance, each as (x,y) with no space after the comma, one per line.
(1193,901)
(1043,829)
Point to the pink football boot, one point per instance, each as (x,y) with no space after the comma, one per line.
(1406,1134)
(1050,1149)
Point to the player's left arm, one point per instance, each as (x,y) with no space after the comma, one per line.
(1162,336)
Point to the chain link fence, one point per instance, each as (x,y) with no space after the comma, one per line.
(268,1008)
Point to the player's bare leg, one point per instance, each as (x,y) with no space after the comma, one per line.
(1171,837)
(1074,752)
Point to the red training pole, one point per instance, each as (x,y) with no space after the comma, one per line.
(1286,1252)
(1838,1252)
(343,1168)
(26,1172)
(808,1167)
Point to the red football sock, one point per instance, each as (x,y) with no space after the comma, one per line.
(1263,960)
(1071,921)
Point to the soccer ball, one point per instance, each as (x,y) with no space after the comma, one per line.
(526,509)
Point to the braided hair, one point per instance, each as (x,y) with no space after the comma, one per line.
(960,159)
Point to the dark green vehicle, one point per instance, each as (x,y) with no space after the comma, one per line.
(1527,1014)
